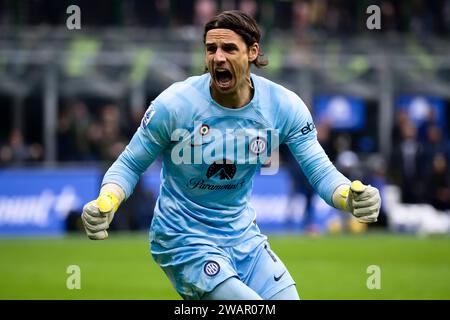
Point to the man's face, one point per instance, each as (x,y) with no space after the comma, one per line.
(228,59)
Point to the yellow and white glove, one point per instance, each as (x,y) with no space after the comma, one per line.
(98,214)
(361,201)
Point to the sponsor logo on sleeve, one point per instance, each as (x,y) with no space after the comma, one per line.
(148,116)
(309,127)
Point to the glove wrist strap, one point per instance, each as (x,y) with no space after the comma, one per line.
(108,201)
(340,198)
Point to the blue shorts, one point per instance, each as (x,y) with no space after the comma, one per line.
(197,269)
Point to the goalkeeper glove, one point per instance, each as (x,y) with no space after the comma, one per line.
(98,214)
(361,201)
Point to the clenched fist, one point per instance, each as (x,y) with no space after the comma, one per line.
(98,214)
(361,201)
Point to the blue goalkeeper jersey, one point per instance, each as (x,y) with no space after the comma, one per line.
(210,155)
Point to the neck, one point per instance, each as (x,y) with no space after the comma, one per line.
(236,99)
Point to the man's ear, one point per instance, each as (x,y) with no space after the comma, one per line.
(253,52)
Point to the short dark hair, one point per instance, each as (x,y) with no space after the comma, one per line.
(243,25)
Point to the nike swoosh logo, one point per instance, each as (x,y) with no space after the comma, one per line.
(279,277)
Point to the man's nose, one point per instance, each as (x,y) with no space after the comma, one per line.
(219,57)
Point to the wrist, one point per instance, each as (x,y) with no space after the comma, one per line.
(107,202)
(340,198)
(110,198)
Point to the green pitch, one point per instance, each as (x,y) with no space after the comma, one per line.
(330,267)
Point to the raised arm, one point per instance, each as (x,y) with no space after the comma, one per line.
(301,137)
(118,184)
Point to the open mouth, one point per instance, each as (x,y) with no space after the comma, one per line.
(223,78)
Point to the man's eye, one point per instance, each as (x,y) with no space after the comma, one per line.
(230,48)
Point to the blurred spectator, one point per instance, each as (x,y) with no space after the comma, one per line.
(155,14)
(401,120)
(82,138)
(342,142)
(301,16)
(419,160)
(430,120)
(333,19)
(435,143)
(406,166)
(323,136)
(79,124)
(204,11)
(438,183)
(113,141)
(94,136)
(446,14)
(349,164)
(135,120)
(331,16)
(389,16)
(250,7)
(421,18)
(16,151)
(73,124)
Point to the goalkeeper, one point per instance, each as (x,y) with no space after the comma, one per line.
(204,233)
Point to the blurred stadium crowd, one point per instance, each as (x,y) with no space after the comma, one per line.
(95,127)
(330,16)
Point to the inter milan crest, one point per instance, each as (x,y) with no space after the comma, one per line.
(211,268)
(258,145)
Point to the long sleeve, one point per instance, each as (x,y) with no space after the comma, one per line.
(152,136)
(301,138)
